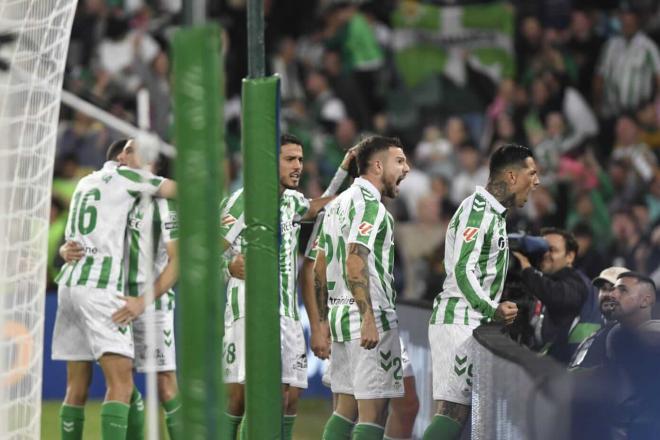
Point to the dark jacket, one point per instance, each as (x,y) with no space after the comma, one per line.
(562,293)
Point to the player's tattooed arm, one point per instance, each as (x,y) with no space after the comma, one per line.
(321,286)
(454,411)
(357,269)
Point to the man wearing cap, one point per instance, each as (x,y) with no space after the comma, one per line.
(591,351)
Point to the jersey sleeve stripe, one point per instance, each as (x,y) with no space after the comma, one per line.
(463,271)
(130,175)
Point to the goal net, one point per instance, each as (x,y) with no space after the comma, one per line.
(34,38)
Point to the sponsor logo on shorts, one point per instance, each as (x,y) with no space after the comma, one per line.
(365,228)
(301,362)
(470,234)
(171,225)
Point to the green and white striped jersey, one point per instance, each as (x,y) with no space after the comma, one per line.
(476,261)
(97,221)
(160,220)
(293,206)
(232,225)
(358,216)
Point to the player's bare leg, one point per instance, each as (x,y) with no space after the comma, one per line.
(235,409)
(340,425)
(168,393)
(290,410)
(403,411)
(72,413)
(118,372)
(372,414)
(448,421)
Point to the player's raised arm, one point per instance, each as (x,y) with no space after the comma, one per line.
(167,189)
(315,206)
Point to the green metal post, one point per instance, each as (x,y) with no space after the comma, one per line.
(256,45)
(198,92)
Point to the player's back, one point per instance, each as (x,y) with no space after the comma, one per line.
(97,221)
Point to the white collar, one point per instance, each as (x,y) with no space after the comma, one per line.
(364,183)
(497,206)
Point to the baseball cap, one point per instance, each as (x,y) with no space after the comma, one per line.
(609,275)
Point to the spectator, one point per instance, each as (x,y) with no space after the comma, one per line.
(326,109)
(347,89)
(629,69)
(629,148)
(472,173)
(584,46)
(560,289)
(589,259)
(628,247)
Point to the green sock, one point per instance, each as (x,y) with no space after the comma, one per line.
(72,419)
(173,417)
(368,431)
(443,428)
(135,429)
(230,425)
(288,427)
(337,428)
(114,420)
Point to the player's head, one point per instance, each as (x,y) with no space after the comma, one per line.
(129,155)
(513,166)
(605,282)
(115,149)
(291,161)
(632,299)
(562,250)
(382,159)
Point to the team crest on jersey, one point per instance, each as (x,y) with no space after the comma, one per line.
(470,234)
(228,220)
(365,228)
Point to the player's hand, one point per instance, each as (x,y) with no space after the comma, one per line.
(348,157)
(506,312)
(132,309)
(237,267)
(368,332)
(320,341)
(71,251)
(524,261)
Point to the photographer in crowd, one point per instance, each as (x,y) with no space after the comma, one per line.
(561,289)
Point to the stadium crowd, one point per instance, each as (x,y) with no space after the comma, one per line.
(580,87)
(596,138)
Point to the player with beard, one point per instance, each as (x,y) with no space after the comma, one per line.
(591,352)
(476,259)
(355,289)
(294,208)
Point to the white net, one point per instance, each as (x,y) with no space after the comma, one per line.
(35,37)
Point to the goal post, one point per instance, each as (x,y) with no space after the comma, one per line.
(32,60)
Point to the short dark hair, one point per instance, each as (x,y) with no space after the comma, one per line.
(569,239)
(115,148)
(287,138)
(640,277)
(372,145)
(507,155)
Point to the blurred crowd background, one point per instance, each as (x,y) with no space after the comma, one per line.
(578,81)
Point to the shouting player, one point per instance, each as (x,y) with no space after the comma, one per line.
(476,259)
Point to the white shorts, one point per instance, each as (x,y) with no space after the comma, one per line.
(368,374)
(294,352)
(452,352)
(84,330)
(405,362)
(233,352)
(164,352)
